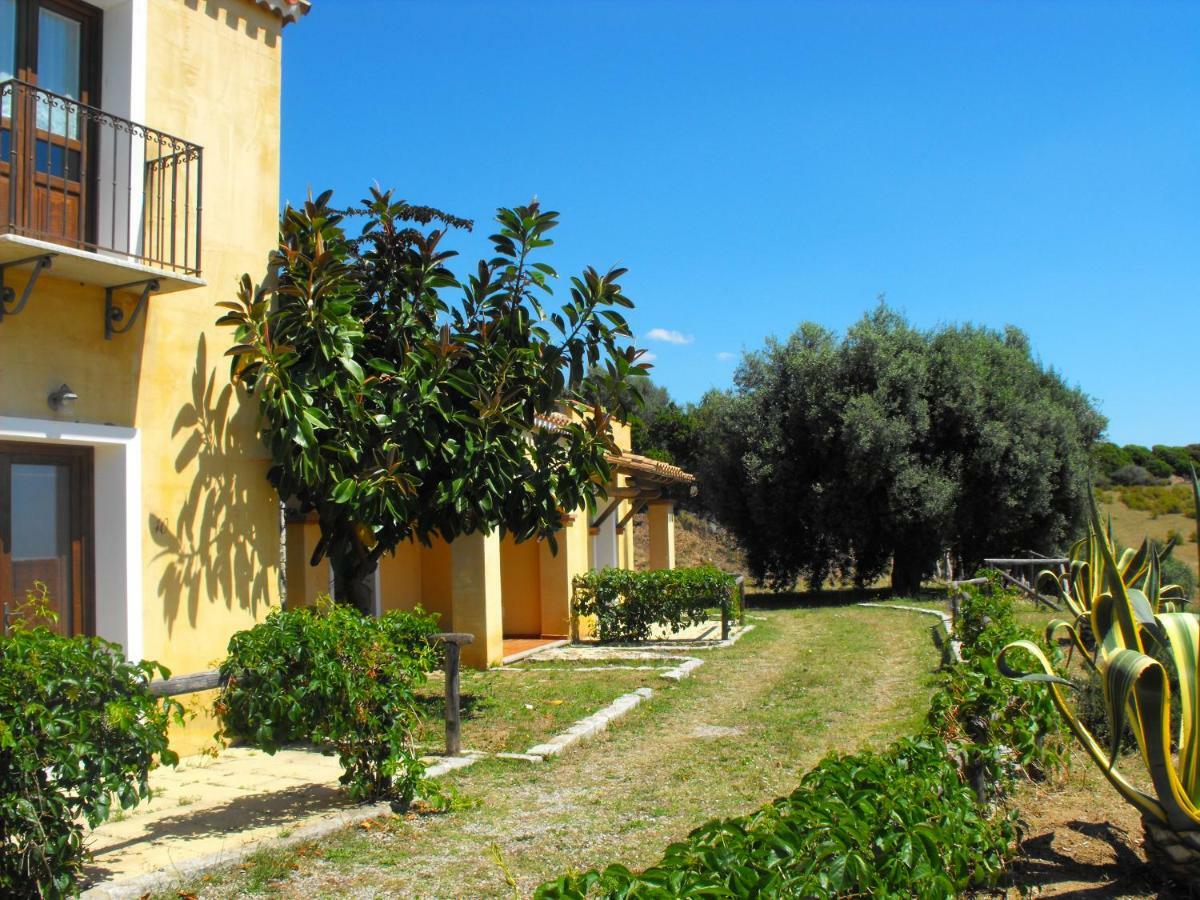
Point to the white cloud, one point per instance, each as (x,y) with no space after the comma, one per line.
(647,357)
(725,356)
(668,337)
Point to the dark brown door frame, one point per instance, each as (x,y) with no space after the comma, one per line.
(37,185)
(82,603)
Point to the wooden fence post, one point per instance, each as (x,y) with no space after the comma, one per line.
(454,643)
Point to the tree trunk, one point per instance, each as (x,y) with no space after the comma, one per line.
(356,586)
(907,572)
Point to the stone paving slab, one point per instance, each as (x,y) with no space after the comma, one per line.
(209,811)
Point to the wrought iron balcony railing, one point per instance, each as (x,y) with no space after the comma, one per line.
(77,176)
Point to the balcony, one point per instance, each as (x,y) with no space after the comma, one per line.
(115,202)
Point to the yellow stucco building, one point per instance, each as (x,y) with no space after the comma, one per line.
(139,178)
(511,596)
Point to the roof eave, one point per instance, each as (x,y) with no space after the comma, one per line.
(288,10)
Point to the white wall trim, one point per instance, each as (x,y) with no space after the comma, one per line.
(117,502)
(123,93)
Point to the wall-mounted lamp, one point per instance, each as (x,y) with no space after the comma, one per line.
(63,399)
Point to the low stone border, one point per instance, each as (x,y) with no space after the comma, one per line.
(955,647)
(592,725)
(683,670)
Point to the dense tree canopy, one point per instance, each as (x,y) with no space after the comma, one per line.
(1135,464)
(398,401)
(839,457)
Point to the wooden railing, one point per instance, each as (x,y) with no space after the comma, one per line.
(1023,574)
(177,685)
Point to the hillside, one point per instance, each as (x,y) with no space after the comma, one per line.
(698,542)
(1131,526)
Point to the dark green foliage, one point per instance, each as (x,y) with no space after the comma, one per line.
(1176,571)
(1177,459)
(334,677)
(895,824)
(996,726)
(628,604)
(1133,475)
(906,822)
(394,412)
(79,734)
(1108,457)
(838,458)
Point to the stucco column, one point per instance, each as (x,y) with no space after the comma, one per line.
(557,572)
(661,519)
(476,597)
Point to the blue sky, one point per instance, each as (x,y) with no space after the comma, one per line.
(759,164)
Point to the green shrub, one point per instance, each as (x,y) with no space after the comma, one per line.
(998,728)
(900,823)
(1175,499)
(905,822)
(79,734)
(628,604)
(332,676)
(1133,474)
(1108,457)
(1176,571)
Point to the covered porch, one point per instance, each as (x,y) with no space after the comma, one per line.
(513,596)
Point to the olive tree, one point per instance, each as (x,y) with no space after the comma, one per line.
(844,457)
(399,401)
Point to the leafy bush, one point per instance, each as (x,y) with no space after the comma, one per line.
(1160,499)
(1176,571)
(1108,457)
(1133,474)
(896,823)
(628,604)
(79,734)
(998,728)
(335,677)
(905,822)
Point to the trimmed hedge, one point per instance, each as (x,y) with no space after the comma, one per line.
(904,822)
(627,605)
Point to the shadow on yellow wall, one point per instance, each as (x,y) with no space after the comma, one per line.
(218,549)
(237,16)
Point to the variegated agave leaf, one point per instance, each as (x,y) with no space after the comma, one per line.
(1137,689)
(1145,803)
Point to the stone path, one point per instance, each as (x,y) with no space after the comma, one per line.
(214,810)
(211,810)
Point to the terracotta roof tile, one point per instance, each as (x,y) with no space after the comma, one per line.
(289,10)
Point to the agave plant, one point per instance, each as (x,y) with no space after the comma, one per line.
(1137,691)
(1084,581)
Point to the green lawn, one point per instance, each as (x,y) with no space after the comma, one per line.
(510,711)
(740,732)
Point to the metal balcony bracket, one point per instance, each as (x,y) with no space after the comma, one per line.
(114,314)
(9,304)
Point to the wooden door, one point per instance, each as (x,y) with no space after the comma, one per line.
(53,47)
(46,532)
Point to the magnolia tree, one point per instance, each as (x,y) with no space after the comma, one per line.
(399,401)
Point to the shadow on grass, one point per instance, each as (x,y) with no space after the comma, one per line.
(432,707)
(813,599)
